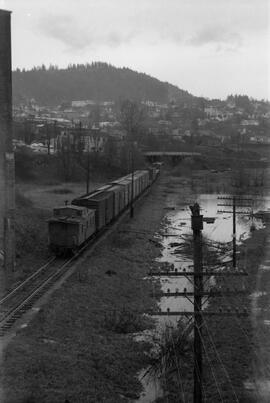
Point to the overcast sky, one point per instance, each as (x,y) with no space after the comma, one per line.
(208,47)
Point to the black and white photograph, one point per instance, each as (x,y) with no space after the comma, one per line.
(135,201)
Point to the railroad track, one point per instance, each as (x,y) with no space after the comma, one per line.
(22,298)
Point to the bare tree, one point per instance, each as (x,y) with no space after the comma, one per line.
(132,118)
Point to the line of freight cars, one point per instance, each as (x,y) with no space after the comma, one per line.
(73,224)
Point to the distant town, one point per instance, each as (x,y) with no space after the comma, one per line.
(237,120)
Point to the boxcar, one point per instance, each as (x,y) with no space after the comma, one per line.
(145,178)
(102,202)
(128,178)
(119,198)
(126,186)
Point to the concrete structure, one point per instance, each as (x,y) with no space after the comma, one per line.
(7,204)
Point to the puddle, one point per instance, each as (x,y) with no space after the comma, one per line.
(152,388)
(264,267)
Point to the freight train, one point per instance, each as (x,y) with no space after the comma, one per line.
(72,225)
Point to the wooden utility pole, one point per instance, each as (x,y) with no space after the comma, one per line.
(234,232)
(87,158)
(131,158)
(197,226)
(54,136)
(48,137)
(236,202)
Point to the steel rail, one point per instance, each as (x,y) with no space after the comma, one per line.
(21,285)
(16,311)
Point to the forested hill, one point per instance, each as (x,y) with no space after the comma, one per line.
(96,81)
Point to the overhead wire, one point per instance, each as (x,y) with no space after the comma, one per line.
(211,365)
(219,358)
(178,369)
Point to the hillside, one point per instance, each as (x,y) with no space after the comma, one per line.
(97,81)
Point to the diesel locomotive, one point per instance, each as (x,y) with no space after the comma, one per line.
(72,225)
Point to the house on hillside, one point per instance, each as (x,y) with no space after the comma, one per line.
(249,122)
(83,103)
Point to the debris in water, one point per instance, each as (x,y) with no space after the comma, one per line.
(209,220)
(174,244)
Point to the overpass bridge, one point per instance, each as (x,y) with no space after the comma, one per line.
(153,156)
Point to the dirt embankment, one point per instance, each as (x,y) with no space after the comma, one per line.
(80,346)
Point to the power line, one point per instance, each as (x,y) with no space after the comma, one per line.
(211,367)
(220,360)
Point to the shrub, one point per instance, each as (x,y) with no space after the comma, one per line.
(125,321)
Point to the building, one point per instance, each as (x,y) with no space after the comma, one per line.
(82,103)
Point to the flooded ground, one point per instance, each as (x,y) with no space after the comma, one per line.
(174,234)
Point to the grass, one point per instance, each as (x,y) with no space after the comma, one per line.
(31,237)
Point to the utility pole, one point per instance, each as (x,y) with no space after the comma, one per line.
(235,203)
(197,226)
(54,136)
(131,158)
(234,232)
(87,160)
(198,293)
(48,137)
